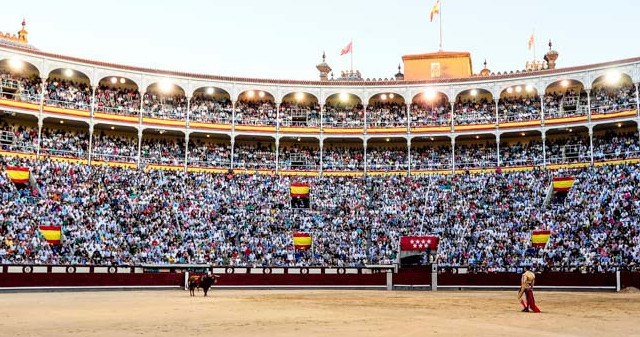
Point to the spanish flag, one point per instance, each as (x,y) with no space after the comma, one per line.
(302,241)
(562,184)
(532,40)
(299,190)
(435,10)
(540,238)
(51,233)
(18,175)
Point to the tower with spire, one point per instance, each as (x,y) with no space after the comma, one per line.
(324,68)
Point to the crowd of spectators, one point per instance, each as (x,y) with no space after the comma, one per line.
(117,101)
(256,113)
(210,111)
(19,138)
(475,155)
(519,109)
(164,106)
(433,114)
(115,216)
(20,88)
(67,94)
(387,158)
(474,112)
(342,158)
(608,100)
(70,143)
(165,151)
(209,154)
(430,157)
(107,147)
(299,157)
(254,156)
(382,115)
(342,116)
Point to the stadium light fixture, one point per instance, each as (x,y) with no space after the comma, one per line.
(518,89)
(570,130)
(210,91)
(165,85)
(122,80)
(114,80)
(344,97)
(68,72)
(612,76)
(299,96)
(429,94)
(251,93)
(391,96)
(431,138)
(619,125)
(509,90)
(522,134)
(564,83)
(113,127)
(15,63)
(61,122)
(261,94)
(474,92)
(477,137)
(299,139)
(528,88)
(208,136)
(387,139)
(383,97)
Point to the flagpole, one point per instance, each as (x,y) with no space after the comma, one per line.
(351,55)
(440,9)
(534,44)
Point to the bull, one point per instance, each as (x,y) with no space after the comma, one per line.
(201,281)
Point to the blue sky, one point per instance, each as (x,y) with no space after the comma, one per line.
(285,38)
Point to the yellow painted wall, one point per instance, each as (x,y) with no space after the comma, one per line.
(451,65)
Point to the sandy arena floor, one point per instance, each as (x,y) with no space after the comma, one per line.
(316,313)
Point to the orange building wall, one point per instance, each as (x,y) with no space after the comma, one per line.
(437,65)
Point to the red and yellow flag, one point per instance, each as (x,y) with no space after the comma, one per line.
(302,241)
(561,184)
(540,238)
(435,10)
(532,40)
(18,175)
(347,49)
(299,190)
(51,233)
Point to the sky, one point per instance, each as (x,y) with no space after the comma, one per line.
(285,39)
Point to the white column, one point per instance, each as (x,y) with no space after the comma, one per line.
(139,148)
(233,141)
(453,154)
(453,104)
(408,156)
(93,101)
(364,143)
(277,154)
(544,149)
(233,116)
(186,148)
(542,109)
(591,143)
(188,111)
(321,118)
(638,100)
(90,141)
(408,118)
(589,104)
(497,100)
(277,116)
(39,144)
(321,154)
(365,126)
(498,150)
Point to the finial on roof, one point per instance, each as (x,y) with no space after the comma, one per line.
(324,56)
(485,71)
(24,22)
(550,45)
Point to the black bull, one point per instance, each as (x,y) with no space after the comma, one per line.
(204,281)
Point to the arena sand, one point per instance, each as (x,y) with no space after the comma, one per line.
(303,313)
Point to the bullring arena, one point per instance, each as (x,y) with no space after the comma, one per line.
(316,313)
(445,199)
